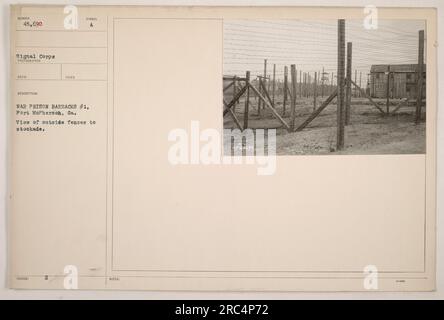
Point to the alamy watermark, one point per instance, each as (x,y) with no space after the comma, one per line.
(196,146)
(370,277)
(371,17)
(71,21)
(71,279)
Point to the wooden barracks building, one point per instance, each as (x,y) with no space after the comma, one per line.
(403,81)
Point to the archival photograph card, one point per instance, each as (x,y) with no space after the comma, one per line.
(222,148)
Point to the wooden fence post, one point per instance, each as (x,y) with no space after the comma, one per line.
(265,77)
(300,83)
(234,91)
(356,81)
(293,97)
(247,99)
(387,102)
(322,79)
(340,99)
(315,91)
(348,89)
(285,89)
(260,89)
(274,82)
(308,84)
(420,77)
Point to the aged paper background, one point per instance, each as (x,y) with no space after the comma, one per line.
(279,232)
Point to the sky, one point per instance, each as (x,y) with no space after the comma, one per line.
(312,45)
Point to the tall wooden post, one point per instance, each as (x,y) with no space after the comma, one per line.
(315,91)
(265,74)
(420,76)
(309,88)
(387,102)
(304,92)
(259,102)
(360,83)
(285,90)
(293,97)
(247,99)
(356,81)
(340,99)
(260,88)
(300,83)
(234,92)
(371,82)
(348,90)
(274,83)
(310,85)
(322,79)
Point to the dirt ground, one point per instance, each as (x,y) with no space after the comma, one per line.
(369,132)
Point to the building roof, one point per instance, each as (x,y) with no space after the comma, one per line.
(376,68)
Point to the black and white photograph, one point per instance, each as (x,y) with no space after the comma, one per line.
(328,86)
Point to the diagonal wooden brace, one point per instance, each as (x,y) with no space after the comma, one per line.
(235,98)
(366,95)
(269,106)
(315,113)
(233,115)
